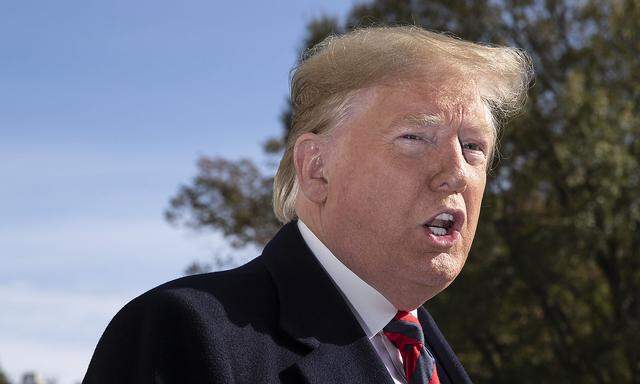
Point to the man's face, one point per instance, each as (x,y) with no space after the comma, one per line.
(407,155)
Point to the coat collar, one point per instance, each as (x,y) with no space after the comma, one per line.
(313,312)
(369,306)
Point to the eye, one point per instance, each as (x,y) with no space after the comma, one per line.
(474,153)
(473,147)
(412,137)
(418,138)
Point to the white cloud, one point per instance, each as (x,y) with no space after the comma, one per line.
(90,253)
(52,332)
(63,280)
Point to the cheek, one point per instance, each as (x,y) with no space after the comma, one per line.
(386,187)
(362,194)
(473,201)
(372,192)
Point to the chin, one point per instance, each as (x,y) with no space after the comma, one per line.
(443,269)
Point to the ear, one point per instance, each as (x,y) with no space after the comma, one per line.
(309,162)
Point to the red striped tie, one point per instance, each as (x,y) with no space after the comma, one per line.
(405,333)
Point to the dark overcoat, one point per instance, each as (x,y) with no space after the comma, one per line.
(277,319)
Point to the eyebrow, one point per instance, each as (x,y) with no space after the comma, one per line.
(420,120)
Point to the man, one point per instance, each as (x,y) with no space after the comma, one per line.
(380,186)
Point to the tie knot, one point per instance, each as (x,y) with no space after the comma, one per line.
(404,330)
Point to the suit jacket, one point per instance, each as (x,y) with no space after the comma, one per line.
(277,319)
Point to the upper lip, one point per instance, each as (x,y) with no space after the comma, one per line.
(458,217)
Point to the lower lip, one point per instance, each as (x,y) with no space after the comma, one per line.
(446,241)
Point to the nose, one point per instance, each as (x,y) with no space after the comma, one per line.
(450,176)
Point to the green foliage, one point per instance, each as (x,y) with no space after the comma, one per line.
(551,289)
(233,197)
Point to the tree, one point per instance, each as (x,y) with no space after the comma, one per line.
(551,289)
(3,377)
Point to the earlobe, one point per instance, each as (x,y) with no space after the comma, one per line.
(310,167)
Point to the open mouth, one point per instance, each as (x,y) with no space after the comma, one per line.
(445,223)
(441,225)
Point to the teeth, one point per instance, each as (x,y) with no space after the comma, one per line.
(445,216)
(438,231)
(441,224)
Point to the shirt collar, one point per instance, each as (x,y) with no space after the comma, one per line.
(370,307)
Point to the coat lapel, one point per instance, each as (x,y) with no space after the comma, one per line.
(356,362)
(313,312)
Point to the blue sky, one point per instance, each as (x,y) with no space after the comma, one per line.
(104,109)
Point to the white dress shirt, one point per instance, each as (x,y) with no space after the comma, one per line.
(369,306)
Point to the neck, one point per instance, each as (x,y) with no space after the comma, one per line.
(401,296)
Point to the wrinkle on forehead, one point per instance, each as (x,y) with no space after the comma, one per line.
(450,94)
(448,99)
(456,96)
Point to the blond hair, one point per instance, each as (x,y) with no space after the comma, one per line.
(332,72)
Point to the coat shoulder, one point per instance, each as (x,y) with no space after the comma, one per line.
(184,325)
(240,292)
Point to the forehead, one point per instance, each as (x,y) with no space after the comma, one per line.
(447,94)
(422,103)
